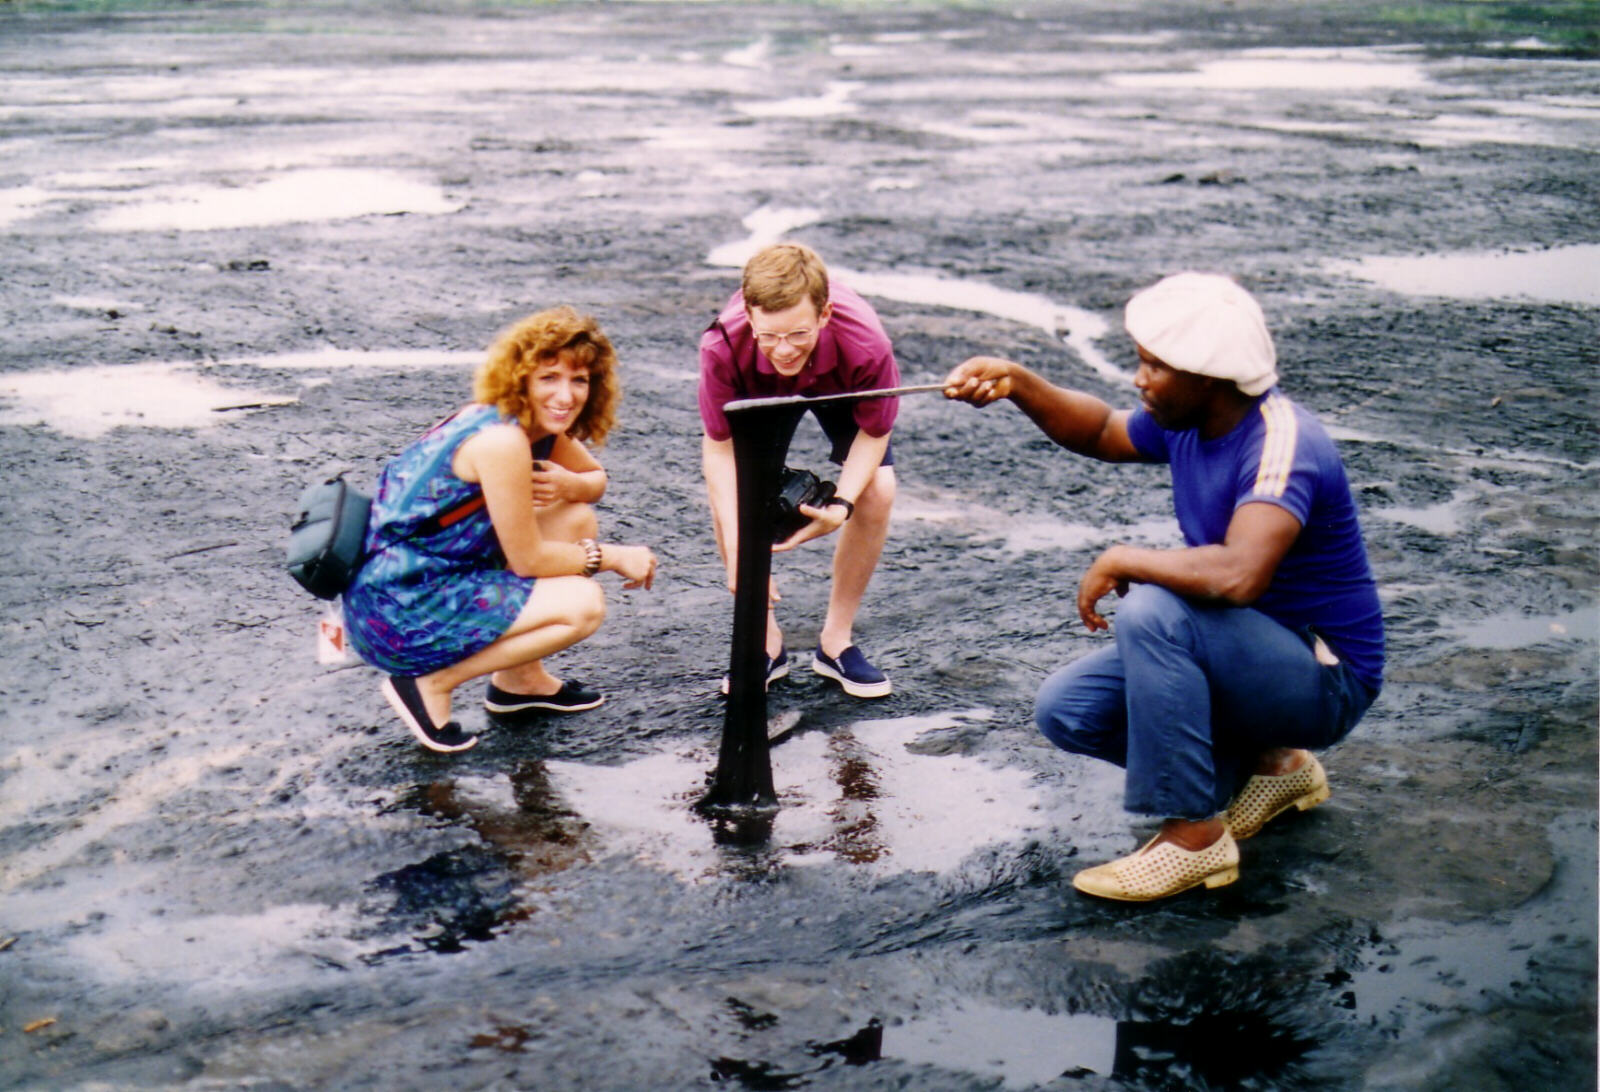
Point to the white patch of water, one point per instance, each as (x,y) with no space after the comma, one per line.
(855,795)
(855,49)
(97,305)
(214,952)
(880,185)
(120,804)
(1025,1048)
(1443,519)
(1028,532)
(1514,630)
(1081,328)
(1290,70)
(20,202)
(835,100)
(89,402)
(704,138)
(298,197)
(754,55)
(393,359)
(1567,274)
(1456,131)
(1065,135)
(767,225)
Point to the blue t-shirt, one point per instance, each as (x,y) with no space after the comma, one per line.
(1280,454)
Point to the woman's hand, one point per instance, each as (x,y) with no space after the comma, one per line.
(635,564)
(554,483)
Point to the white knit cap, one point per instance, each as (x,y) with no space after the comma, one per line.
(1206,324)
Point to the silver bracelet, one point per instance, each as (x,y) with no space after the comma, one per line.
(591,556)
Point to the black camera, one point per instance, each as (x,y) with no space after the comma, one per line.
(797,487)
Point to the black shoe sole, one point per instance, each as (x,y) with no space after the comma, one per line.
(535,704)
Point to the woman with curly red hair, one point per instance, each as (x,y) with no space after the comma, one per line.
(482,538)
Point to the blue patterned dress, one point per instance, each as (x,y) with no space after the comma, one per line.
(429,597)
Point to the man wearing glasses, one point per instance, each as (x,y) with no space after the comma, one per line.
(787,331)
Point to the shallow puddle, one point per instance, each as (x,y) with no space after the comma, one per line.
(1025,532)
(836,100)
(1025,1048)
(1079,328)
(1308,70)
(1515,630)
(1568,274)
(307,196)
(858,795)
(90,402)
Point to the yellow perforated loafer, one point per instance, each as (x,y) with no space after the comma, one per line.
(1266,796)
(1158,871)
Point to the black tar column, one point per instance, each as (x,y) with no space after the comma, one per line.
(762,429)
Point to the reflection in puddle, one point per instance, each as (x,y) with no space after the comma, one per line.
(306,196)
(1569,274)
(857,795)
(90,402)
(1023,1047)
(1426,972)
(467,894)
(1197,1021)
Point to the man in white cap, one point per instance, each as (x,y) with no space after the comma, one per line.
(1260,638)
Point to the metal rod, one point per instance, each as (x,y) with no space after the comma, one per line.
(803,400)
(761,431)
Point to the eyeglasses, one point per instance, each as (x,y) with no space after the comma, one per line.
(795,339)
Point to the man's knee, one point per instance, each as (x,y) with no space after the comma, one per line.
(878,497)
(1148,608)
(1067,712)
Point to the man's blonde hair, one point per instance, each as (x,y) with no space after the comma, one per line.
(781,275)
(502,380)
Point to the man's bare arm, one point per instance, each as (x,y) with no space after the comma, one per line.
(1236,571)
(1077,421)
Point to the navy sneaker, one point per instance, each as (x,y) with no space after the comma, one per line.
(406,700)
(853,672)
(573,697)
(777,668)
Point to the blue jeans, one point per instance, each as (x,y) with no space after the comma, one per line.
(1189,695)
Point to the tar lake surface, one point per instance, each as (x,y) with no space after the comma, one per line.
(246,245)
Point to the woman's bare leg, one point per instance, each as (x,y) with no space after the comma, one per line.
(560,612)
(564,522)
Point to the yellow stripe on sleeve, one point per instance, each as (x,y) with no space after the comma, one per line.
(1277,449)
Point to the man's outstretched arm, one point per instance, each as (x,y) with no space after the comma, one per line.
(1077,421)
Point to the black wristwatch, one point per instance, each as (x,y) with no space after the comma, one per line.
(849,509)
